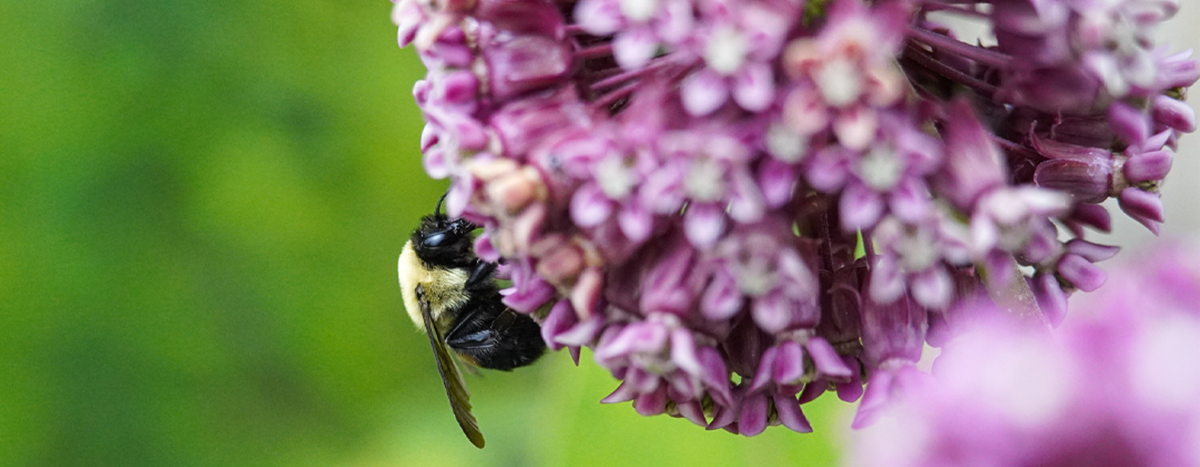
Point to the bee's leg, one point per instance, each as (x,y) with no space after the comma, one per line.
(481,273)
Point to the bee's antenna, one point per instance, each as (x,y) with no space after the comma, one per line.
(438,210)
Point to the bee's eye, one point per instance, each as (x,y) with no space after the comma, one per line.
(433,240)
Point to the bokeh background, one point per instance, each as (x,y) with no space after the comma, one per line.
(201,205)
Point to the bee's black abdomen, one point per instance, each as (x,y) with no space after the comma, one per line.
(494,336)
(520,345)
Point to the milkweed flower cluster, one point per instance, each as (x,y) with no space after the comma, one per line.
(1115,387)
(740,205)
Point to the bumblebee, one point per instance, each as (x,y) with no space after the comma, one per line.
(452,296)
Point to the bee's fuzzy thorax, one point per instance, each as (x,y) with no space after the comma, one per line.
(444,287)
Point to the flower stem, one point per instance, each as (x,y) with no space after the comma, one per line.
(603,50)
(952,8)
(943,43)
(925,60)
(575,30)
(655,64)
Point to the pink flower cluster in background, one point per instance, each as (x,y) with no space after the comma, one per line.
(1113,387)
(740,205)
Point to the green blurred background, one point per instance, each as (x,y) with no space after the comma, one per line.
(201,205)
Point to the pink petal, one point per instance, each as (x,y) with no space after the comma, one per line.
(754,87)
(589,206)
(683,352)
(703,92)
(722,299)
(772,312)
(860,207)
(635,221)
(703,223)
(933,288)
(633,48)
(599,17)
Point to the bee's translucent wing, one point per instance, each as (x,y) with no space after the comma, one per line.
(456,389)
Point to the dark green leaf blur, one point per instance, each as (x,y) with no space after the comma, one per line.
(201,206)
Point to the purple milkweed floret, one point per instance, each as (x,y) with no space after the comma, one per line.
(740,205)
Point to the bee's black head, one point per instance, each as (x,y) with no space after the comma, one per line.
(441,241)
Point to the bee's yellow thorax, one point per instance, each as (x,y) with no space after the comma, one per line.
(444,288)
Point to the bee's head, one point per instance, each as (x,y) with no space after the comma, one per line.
(442,241)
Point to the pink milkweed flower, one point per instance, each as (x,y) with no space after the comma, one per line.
(741,205)
(1004,395)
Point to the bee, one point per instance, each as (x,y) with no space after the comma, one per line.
(452,296)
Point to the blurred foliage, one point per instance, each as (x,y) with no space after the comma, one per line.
(201,204)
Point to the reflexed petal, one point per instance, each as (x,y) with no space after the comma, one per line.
(829,364)
(1130,124)
(724,415)
(762,376)
(534,295)
(652,403)
(716,375)
(1050,298)
(753,417)
(583,333)
(1173,113)
(1142,206)
(623,393)
(790,414)
(879,386)
(1083,274)
(561,318)
(789,363)
(1091,215)
(692,411)
(850,391)
(1148,166)
(1091,251)
(683,352)
(813,390)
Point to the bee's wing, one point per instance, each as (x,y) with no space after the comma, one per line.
(456,389)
